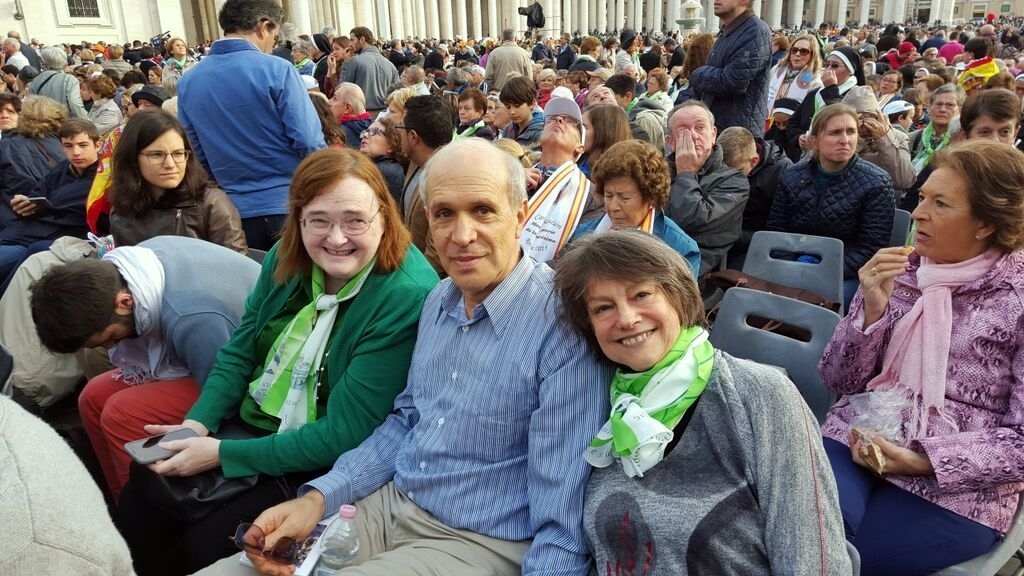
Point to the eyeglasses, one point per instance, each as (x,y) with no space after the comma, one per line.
(352,226)
(158,158)
(800,51)
(371,131)
(561,119)
(400,127)
(944,105)
(250,538)
(833,64)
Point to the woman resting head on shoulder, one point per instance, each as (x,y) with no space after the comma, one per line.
(934,338)
(635,300)
(633,179)
(159,187)
(322,350)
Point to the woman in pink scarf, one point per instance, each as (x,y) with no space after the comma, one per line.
(942,330)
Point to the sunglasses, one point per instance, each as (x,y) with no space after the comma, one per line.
(834,65)
(800,51)
(250,538)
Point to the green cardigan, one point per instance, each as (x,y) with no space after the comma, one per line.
(368,365)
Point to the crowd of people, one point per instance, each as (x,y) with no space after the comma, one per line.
(461,284)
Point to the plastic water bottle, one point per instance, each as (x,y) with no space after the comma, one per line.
(340,542)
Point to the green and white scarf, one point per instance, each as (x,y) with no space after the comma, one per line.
(288,387)
(646,406)
(927,148)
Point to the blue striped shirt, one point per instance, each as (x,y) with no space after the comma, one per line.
(489,433)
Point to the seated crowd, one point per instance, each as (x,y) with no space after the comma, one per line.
(467,292)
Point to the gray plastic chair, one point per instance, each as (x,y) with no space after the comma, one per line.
(900,228)
(732,334)
(257,255)
(991,562)
(854,559)
(824,278)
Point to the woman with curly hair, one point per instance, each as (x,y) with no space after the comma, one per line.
(633,178)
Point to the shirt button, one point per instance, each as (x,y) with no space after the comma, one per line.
(440,421)
(465,328)
(412,496)
(455,375)
(423,465)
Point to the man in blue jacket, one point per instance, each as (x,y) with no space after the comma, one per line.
(249,117)
(734,81)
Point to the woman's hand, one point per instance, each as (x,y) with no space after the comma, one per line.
(877,279)
(805,142)
(194,455)
(898,460)
(874,127)
(828,78)
(295,519)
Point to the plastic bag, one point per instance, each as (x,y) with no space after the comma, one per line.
(880,412)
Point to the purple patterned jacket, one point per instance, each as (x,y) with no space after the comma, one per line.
(980,469)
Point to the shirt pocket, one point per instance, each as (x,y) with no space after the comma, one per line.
(499,418)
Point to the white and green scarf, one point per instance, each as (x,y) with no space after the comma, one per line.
(647,406)
(288,387)
(928,149)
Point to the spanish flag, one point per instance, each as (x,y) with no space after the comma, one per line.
(97,204)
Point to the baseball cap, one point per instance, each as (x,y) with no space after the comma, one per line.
(559,106)
(603,73)
(786,106)
(897,107)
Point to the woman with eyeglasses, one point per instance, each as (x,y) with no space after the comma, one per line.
(382,143)
(889,87)
(322,350)
(843,71)
(943,108)
(797,74)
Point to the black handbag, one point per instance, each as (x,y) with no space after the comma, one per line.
(191,498)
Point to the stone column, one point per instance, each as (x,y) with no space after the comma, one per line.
(461,19)
(841,13)
(774,19)
(565,23)
(796,13)
(817,12)
(672,14)
(619,15)
(602,9)
(299,16)
(384,10)
(711,22)
(637,21)
(756,5)
(493,20)
(864,14)
(477,20)
(444,8)
(583,20)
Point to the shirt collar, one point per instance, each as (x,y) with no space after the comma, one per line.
(501,304)
(737,22)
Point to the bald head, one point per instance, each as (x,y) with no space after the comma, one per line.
(475,158)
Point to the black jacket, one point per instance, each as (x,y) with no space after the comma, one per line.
(433,60)
(66,190)
(800,123)
(565,59)
(856,206)
(764,182)
(709,206)
(734,81)
(23,163)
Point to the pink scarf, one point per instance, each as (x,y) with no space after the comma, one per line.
(917,357)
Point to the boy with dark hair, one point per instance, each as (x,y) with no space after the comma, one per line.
(519,95)
(56,206)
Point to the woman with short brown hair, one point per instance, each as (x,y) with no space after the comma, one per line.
(105,113)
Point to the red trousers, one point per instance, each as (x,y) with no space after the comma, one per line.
(114,413)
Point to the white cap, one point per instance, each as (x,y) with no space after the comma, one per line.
(897,107)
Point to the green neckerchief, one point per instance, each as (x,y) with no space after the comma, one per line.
(631,105)
(927,148)
(303,340)
(648,405)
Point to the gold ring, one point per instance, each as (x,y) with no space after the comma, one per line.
(874,271)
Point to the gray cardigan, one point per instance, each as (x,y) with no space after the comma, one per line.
(747,490)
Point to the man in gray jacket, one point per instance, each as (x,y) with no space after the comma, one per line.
(54,83)
(370,70)
(707,197)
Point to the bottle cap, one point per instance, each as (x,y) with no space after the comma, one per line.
(347,511)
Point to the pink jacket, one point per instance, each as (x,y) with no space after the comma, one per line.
(980,469)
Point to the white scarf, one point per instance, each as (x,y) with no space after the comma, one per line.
(144,357)
(647,224)
(554,212)
(819,101)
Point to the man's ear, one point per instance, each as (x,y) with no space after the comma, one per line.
(124,302)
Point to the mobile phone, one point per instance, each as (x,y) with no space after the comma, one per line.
(147,450)
(40,201)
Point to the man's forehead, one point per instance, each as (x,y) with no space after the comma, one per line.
(690,115)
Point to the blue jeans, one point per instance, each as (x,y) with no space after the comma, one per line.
(898,533)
